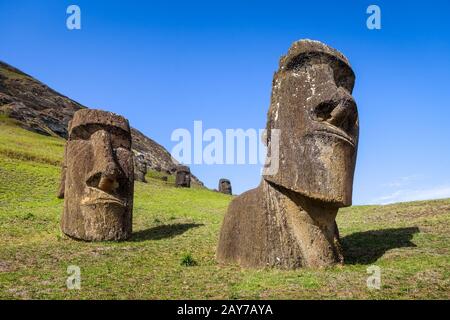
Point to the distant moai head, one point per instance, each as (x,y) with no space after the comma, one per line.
(183,176)
(99,177)
(225,186)
(314,110)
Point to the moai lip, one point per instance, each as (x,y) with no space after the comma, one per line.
(98,177)
(288,221)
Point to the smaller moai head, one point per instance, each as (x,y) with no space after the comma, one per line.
(225,186)
(140,168)
(183,176)
(313,109)
(99,179)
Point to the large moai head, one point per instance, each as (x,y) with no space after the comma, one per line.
(99,179)
(183,176)
(313,107)
(225,186)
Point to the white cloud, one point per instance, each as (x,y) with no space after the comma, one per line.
(403,195)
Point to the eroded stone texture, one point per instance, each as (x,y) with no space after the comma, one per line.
(183,177)
(140,168)
(288,221)
(99,179)
(225,186)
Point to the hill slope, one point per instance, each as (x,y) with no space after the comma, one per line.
(408,241)
(43,110)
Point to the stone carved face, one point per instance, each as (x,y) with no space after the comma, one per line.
(225,186)
(313,107)
(99,177)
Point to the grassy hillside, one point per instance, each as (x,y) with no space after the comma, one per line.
(408,241)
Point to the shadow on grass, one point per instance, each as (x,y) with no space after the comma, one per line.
(163,232)
(367,247)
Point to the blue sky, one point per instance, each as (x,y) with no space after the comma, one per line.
(165,64)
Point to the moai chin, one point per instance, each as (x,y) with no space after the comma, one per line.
(183,177)
(99,178)
(288,221)
(225,186)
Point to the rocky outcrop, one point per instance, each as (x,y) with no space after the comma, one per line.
(43,110)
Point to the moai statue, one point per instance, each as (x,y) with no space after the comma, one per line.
(62,181)
(99,180)
(288,221)
(183,176)
(225,186)
(140,168)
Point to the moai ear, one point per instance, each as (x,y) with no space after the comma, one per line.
(62,182)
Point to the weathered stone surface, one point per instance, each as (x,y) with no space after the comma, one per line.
(140,168)
(99,179)
(225,186)
(183,177)
(289,220)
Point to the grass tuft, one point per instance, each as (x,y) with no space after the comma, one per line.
(187,260)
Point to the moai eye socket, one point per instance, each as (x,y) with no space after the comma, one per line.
(119,138)
(344,77)
(80,133)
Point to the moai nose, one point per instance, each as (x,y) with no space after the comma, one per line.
(106,172)
(108,180)
(344,109)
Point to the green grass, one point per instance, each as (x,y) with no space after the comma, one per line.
(174,227)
